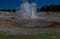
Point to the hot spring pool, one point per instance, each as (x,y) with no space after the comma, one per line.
(33,24)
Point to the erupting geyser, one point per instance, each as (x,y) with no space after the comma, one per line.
(26,10)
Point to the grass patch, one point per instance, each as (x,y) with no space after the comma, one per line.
(32,36)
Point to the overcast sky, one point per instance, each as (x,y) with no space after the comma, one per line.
(12,4)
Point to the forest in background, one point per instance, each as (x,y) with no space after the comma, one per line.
(47,8)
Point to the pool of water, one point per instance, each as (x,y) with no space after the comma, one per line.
(37,24)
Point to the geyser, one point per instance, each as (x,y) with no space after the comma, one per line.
(26,10)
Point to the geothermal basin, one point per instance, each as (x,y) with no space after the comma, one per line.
(32,23)
(26,14)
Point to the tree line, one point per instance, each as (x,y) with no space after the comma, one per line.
(51,8)
(47,8)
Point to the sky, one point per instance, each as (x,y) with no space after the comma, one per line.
(13,4)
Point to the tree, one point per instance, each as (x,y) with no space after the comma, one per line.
(51,8)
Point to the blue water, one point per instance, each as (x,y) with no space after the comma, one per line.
(37,24)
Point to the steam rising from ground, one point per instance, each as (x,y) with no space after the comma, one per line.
(26,10)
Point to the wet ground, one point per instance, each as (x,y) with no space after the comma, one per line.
(9,27)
